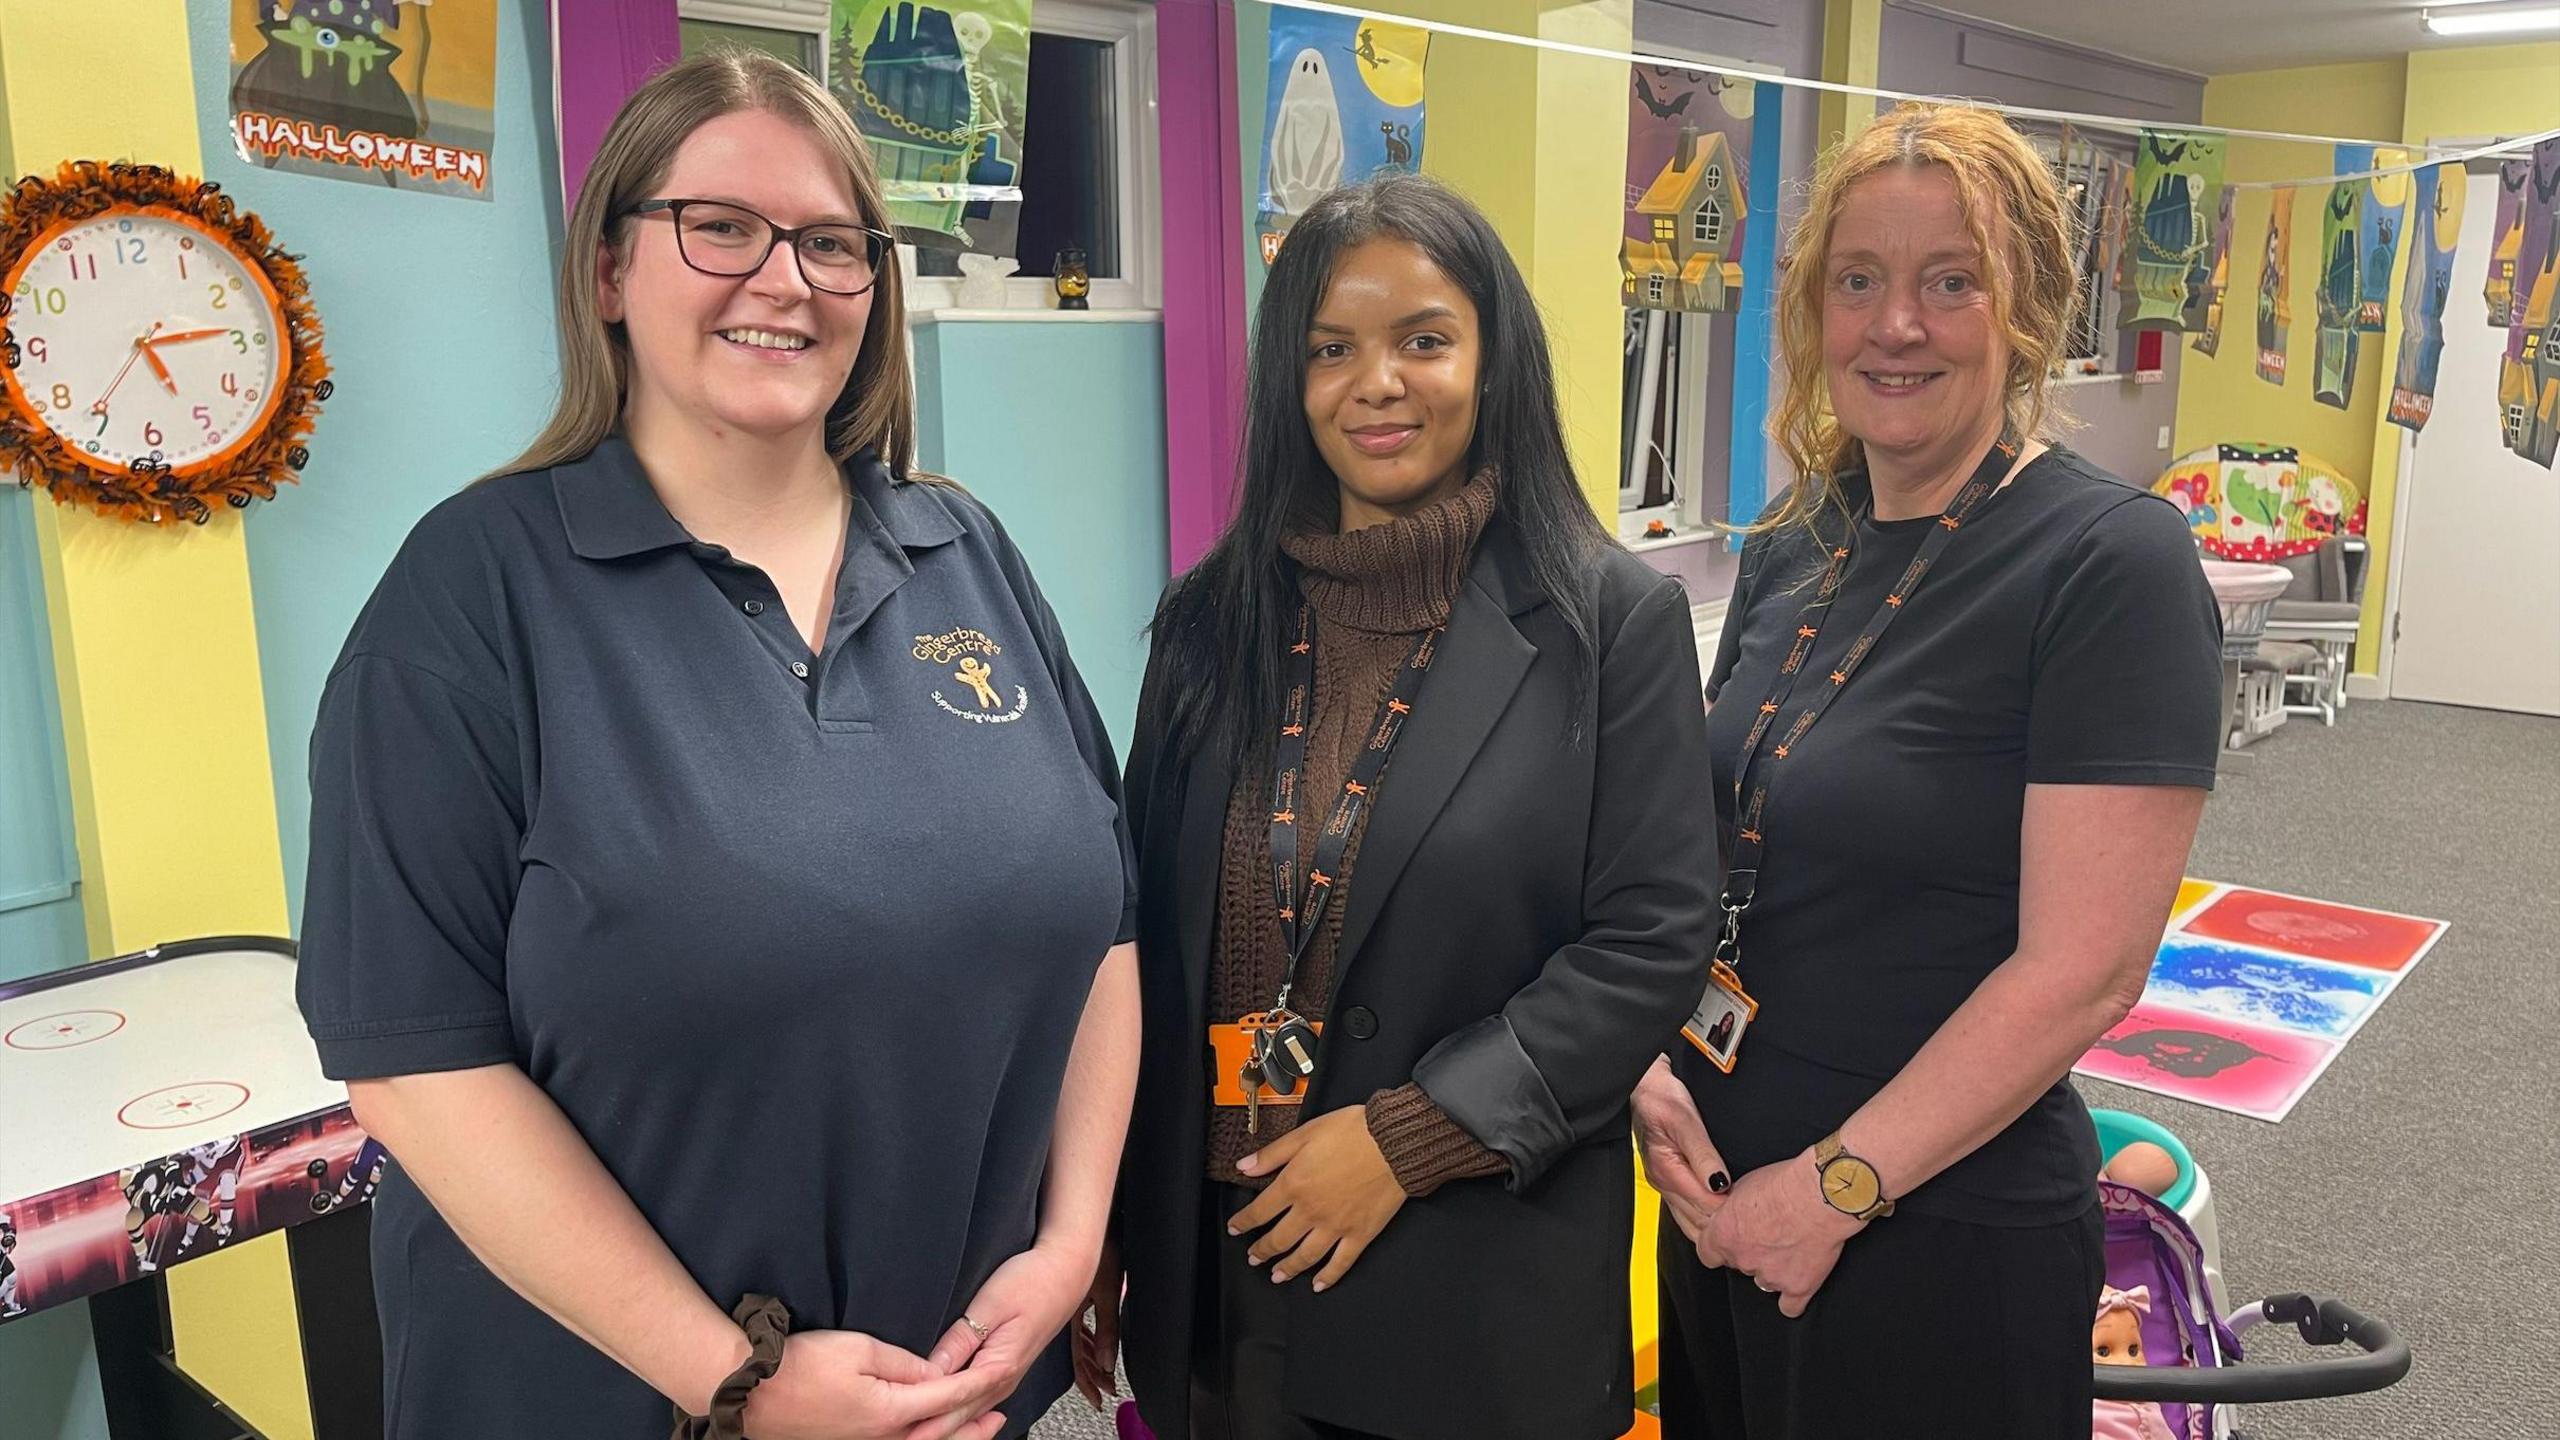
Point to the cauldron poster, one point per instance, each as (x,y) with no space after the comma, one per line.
(399,94)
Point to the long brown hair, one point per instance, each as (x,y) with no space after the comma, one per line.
(877,409)
(2015,210)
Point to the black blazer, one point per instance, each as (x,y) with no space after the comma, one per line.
(1527,927)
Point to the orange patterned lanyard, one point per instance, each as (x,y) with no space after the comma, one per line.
(1742,877)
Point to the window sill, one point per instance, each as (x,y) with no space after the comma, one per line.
(2102,378)
(954,314)
(1666,542)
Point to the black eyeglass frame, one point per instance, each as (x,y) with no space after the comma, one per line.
(882,242)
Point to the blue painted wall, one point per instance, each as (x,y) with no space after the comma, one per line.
(438,316)
(1059,427)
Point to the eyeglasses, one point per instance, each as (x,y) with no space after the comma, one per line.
(731,241)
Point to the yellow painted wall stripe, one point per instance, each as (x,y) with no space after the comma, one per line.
(155,646)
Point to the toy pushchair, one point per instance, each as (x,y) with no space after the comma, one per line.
(2190,1344)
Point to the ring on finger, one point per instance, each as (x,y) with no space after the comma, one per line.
(981,1331)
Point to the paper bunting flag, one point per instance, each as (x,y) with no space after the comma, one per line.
(2379,227)
(2177,179)
(2204,314)
(2529,381)
(2504,236)
(2333,351)
(1688,141)
(2437,216)
(2275,302)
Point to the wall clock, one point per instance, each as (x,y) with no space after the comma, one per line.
(162,353)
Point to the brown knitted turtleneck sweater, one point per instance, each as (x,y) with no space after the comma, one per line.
(1373,590)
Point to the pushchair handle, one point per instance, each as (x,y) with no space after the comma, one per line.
(2322,1321)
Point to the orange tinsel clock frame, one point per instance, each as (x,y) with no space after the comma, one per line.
(149,491)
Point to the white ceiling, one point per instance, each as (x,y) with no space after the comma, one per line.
(2221,37)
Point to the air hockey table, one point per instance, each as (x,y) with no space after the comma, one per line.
(156,1108)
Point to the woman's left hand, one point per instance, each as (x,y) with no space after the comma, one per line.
(1021,1308)
(1775,1227)
(1334,1191)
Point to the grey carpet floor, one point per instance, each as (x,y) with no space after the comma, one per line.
(2420,1178)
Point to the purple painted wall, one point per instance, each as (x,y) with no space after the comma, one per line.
(607,48)
(1204,318)
(1935,52)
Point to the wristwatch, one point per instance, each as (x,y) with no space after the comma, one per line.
(1850,1185)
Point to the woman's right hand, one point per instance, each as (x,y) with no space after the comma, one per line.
(1678,1157)
(1097,1352)
(837,1385)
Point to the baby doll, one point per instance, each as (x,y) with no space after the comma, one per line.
(2144,1166)
(2116,1339)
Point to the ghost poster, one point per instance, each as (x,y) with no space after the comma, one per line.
(397,94)
(2204,307)
(2505,234)
(940,89)
(2252,1070)
(2177,189)
(1345,103)
(2381,221)
(2436,223)
(2333,351)
(1688,143)
(2275,301)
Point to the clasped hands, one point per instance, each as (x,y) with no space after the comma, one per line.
(1772,1224)
(837,1385)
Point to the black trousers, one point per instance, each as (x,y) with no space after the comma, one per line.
(1240,1341)
(1926,1326)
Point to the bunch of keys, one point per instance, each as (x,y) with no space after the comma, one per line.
(1284,1054)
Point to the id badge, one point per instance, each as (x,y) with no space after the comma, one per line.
(1723,1013)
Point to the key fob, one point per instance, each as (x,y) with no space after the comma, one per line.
(1291,1055)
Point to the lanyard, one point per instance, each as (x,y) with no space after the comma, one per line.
(1742,878)
(1302,908)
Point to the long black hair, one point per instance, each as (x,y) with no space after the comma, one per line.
(1220,628)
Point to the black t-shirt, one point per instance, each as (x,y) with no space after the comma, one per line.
(798,942)
(2067,636)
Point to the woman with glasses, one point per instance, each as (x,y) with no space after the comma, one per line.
(718,897)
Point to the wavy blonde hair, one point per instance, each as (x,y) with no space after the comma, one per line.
(876,409)
(2016,212)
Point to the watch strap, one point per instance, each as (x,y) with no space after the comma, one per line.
(1829,1149)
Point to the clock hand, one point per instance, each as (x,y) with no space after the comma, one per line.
(159,366)
(139,350)
(185,335)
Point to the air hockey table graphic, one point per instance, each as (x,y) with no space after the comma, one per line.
(159,1107)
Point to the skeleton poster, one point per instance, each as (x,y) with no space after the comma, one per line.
(2275,304)
(1345,104)
(2333,349)
(2204,304)
(939,89)
(392,93)
(2380,225)
(2436,217)
(2504,236)
(1688,147)
(2177,187)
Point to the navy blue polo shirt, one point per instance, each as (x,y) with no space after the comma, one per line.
(797,941)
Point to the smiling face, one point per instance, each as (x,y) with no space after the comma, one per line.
(1391,381)
(762,354)
(1914,355)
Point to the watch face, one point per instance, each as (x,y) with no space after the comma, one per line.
(145,336)
(1850,1184)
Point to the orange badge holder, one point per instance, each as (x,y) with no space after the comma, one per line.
(1233,1045)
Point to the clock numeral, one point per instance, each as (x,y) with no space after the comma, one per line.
(36,347)
(230,383)
(46,301)
(239,342)
(204,418)
(138,255)
(221,297)
(61,397)
(151,434)
(75,266)
(182,263)
(101,413)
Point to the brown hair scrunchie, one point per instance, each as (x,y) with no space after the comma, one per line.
(766,1321)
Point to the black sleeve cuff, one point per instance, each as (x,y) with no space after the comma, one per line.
(1486,1082)
(375,1053)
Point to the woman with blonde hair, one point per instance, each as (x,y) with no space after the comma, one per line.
(1965,714)
(718,901)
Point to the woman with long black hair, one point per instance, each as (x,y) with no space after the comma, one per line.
(1425,869)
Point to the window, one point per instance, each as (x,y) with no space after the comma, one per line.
(1715,177)
(795,30)
(1653,290)
(1664,230)
(1710,224)
(2094,348)
(1089,169)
